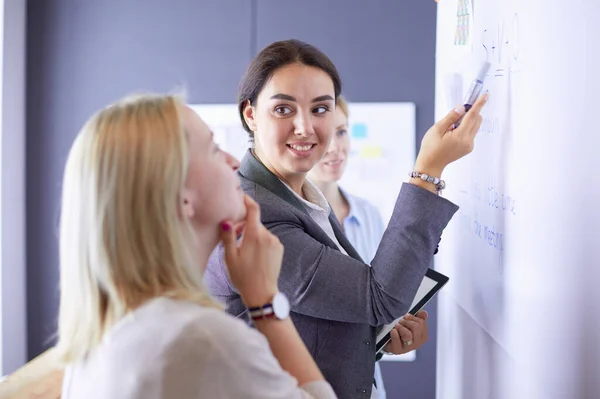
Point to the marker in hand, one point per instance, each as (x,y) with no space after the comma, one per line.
(474,91)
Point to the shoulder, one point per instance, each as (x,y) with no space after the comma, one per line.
(178,349)
(211,331)
(171,332)
(162,338)
(162,322)
(364,204)
(215,346)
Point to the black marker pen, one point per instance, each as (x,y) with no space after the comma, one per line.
(474,91)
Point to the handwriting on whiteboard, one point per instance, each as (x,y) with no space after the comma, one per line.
(492,195)
(484,231)
(500,44)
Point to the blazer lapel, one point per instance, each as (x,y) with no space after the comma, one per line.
(253,169)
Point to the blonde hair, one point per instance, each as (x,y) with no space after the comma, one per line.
(122,241)
(342,104)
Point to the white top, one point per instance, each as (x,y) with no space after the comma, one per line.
(176,349)
(363,226)
(318,209)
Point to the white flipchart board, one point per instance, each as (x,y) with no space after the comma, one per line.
(519,318)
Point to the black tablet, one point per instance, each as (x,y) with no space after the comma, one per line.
(432,283)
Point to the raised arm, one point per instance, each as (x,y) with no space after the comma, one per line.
(323,282)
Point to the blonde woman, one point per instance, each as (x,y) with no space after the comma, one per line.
(147,196)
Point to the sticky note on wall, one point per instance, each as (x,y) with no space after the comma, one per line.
(371,152)
(358,131)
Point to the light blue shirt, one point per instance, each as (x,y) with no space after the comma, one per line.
(364,228)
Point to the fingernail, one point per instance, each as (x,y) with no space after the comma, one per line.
(225,226)
(460,110)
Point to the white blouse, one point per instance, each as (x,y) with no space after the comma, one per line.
(177,349)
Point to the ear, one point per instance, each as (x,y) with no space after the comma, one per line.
(187,209)
(250,115)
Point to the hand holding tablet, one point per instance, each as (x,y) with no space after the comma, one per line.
(432,283)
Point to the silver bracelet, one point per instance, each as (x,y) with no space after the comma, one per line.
(439,184)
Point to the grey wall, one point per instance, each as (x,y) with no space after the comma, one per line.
(83,54)
(13,332)
(383,49)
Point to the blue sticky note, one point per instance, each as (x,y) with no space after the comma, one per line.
(359,131)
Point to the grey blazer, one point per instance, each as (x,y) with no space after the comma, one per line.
(338,300)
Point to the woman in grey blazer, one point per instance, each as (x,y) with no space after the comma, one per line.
(286,99)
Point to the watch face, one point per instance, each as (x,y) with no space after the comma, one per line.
(281,306)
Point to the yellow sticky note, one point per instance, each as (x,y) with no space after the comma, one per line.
(371,152)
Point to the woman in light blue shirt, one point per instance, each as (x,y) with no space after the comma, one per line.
(361,221)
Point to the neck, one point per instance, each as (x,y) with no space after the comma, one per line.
(330,190)
(206,240)
(295,182)
(333,195)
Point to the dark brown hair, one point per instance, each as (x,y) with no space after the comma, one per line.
(275,56)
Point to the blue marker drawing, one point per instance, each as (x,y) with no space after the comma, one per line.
(359,131)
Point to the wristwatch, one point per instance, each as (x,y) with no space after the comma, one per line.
(278,308)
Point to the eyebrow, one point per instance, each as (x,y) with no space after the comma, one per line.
(287,97)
